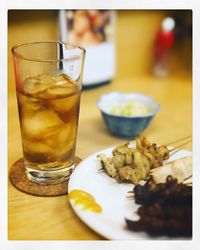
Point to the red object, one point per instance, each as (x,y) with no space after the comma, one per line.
(164,41)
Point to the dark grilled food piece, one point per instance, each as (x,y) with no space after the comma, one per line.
(155,226)
(166,209)
(165,193)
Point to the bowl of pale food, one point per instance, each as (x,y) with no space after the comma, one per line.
(127,115)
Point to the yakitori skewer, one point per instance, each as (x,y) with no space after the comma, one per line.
(135,164)
(100,170)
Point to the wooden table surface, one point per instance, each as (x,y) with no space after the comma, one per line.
(52,218)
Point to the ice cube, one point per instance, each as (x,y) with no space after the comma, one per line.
(33,86)
(63,105)
(67,136)
(34,147)
(30,105)
(47,79)
(48,86)
(38,84)
(40,124)
(65,151)
(63,140)
(63,86)
(59,91)
(64,80)
(65,133)
(55,138)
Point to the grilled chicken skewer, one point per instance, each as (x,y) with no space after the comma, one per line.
(180,169)
(134,164)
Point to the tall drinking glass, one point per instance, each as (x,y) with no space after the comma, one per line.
(48,85)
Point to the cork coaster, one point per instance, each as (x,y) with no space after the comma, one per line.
(20,181)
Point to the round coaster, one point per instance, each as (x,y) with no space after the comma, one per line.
(20,181)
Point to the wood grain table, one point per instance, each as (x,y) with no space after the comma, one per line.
(37,218)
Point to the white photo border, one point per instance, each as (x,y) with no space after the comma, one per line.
(5,5)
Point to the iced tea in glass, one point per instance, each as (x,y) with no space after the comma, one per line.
(48,86)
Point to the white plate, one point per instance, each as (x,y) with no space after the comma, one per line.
(112,197)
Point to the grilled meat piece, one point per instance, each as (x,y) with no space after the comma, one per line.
(166,208)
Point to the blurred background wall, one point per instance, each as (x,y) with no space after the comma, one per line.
(135,36)
(136,31)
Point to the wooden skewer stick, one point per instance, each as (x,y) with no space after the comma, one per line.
(187,178)
(130,192)
(187,183)
(179,140)
(100,170)
(179,146)
(130,197)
